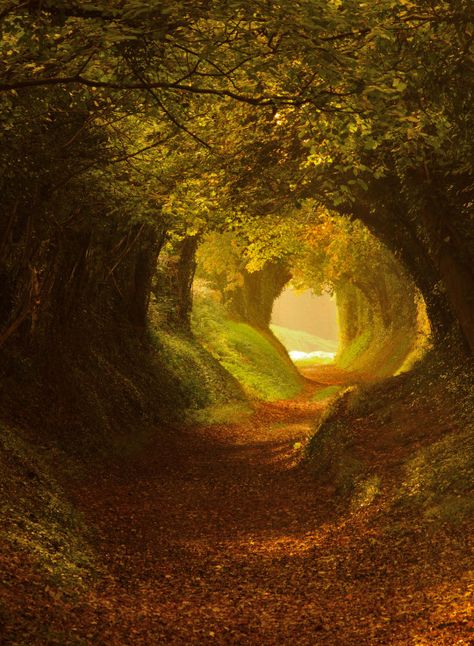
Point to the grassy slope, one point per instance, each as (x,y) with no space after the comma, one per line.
(256,364)
(381,352)
(250,355)
(381,356)
(408,440)
(77,413)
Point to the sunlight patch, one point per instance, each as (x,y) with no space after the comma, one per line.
(298,355)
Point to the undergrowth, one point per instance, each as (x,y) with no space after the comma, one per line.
(36,517)
(409,439)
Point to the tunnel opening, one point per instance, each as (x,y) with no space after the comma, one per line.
(329,295)
(306,323)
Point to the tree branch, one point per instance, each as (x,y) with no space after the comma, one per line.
(259,100)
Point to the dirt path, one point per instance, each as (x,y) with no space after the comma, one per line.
(214,548)
(228,541)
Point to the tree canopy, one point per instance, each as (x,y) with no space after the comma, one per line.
(128,124)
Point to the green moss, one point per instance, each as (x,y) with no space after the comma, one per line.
(36,516)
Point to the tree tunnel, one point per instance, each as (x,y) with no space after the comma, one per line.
(107,172)
(169,170)
(382,325)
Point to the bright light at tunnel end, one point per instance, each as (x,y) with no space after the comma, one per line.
(297,355)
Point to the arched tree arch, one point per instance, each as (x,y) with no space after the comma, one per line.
(117,105)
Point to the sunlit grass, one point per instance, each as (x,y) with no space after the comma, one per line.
(246,353)
(310,361)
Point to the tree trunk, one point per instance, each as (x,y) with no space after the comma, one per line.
(185,278)
(174,281)
(141,279)
(392,226)
(253,302)
(456,276)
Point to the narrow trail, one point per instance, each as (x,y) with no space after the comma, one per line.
(227,540)
(211,547)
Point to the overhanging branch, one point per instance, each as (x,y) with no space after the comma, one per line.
(259,100)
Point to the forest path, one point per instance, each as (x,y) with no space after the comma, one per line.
(227,540)
(211,543)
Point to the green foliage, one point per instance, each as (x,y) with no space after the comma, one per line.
(247,353)
(116,106)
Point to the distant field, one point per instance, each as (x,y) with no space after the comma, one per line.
(311,360)
(304,341)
